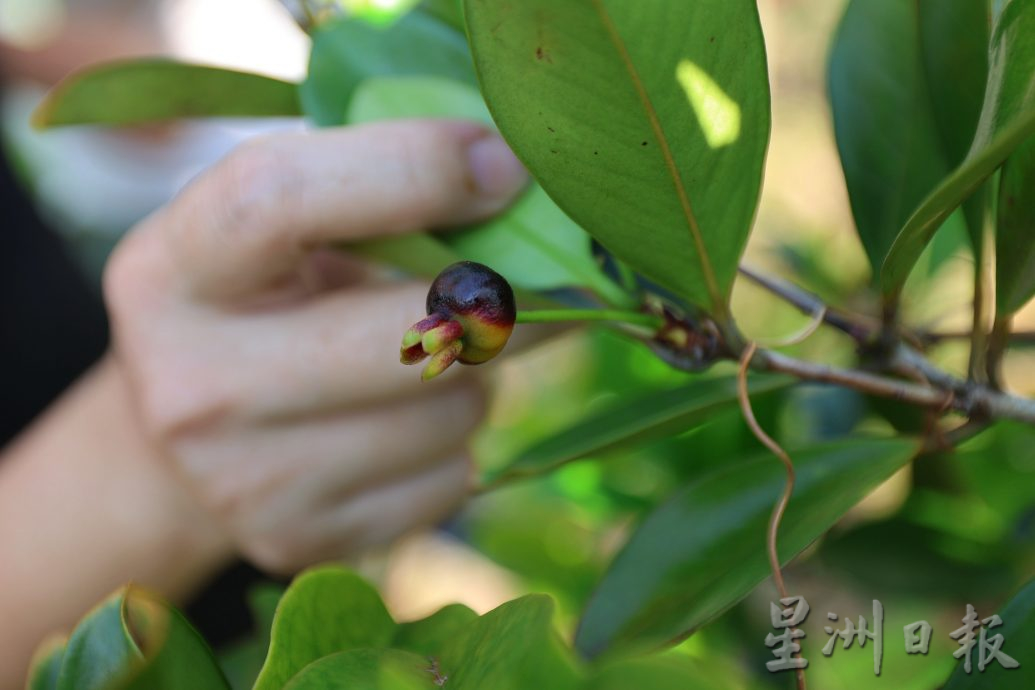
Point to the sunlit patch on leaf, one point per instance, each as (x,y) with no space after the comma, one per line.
(717,113)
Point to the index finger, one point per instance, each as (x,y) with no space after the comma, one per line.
(245,223)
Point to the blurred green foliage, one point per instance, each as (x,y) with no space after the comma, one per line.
(669,525)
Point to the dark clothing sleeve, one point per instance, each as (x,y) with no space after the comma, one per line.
(52,323)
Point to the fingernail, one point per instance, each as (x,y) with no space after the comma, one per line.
(495,169)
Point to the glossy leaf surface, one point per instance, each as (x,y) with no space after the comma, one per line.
(176,654)
(347,51)
(1007,120)
(156,89)
(704,549)
(513,647)
(906,83)
(646,122)
(366,669)
(639,420)
(325,611)
(1015,231)
(100,652)
(136,641)
(954,36)
(428,636)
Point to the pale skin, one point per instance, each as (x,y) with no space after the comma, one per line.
(253,403)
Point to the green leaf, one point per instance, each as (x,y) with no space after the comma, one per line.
(1015,231)
(418,254)
(639,420)
(347,51)
(449,12)
(657,673)
(533,244)
(376,12)
(954,37)
(1007,120)
(988,466)
(242,661)
(408,96)
(136,641)
(324,611)
(366,669)
(1018,631)
(156,89)
(901,118)
(429,635)
(45,666)
(101,651)
(647,122)
(704,549)
(512,647)
(176,655)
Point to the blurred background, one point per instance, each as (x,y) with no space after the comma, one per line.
(950,530)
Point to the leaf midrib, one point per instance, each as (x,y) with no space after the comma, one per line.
(718,303)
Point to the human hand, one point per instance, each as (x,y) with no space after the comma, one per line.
(266,366)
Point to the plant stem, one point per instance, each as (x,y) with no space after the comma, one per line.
(614,315)
(967,398)
(858,327)
(937,389)
(935,338)
(865,382)
(997,342)
(976,367)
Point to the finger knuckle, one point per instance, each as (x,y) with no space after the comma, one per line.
(250,190)
(430,172)
(120,279)
(130,279)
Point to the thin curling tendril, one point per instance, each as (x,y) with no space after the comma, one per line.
(788,488)
(776,517)
(808,329)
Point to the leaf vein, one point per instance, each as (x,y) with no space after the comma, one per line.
(718,304)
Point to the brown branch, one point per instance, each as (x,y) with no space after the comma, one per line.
(1023,338)
(977,360)
(910,363)
(946,392)
(997,343)
(937,390)
(953,437)
(904,391)
(857,326)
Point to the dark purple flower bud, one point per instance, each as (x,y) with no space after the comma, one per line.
(471,315)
